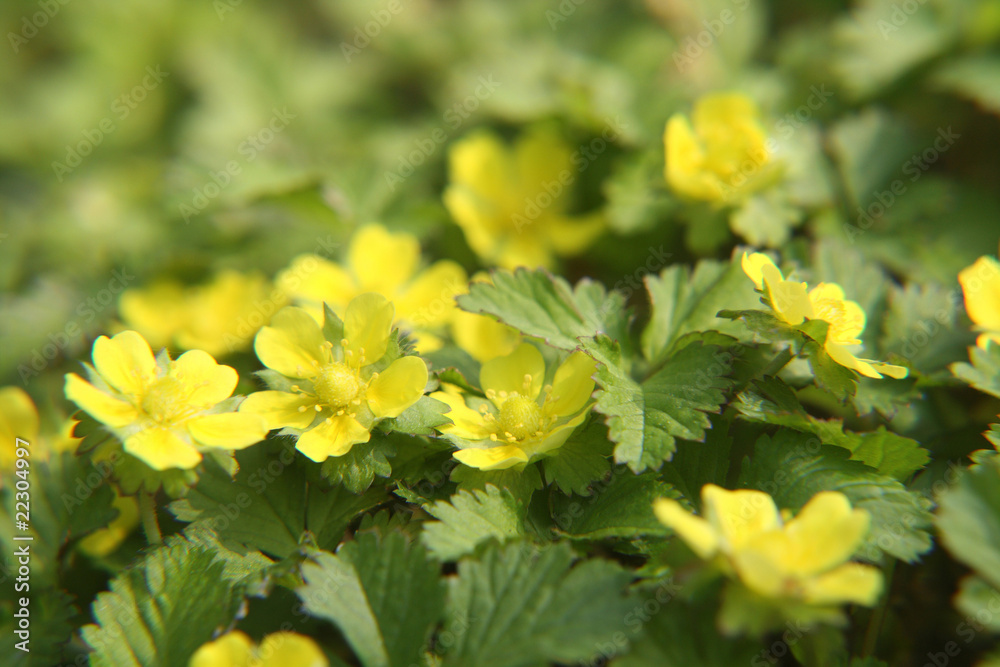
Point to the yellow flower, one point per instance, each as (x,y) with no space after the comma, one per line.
(804,559)
(511,203)
(341,390)
(105,540)
(386,263)
(19,419)
(482,336)
(724,155)
(220,317)
(281,649)
(981,287)
(162,410)
(520,420)
(794,303)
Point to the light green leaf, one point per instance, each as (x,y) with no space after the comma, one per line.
(645,420)
(984,372)
(977,599)
(793,467)
(974,77)
(766,220)
(421,417)
(271,504)
(522,606)
(968,519)
(383,593)
(470,518)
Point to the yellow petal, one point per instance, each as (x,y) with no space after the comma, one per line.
(831,291)
(367,325)
(289,649)
(161,448)
(572,385)
(553,439)
(397,387)
(789,299)
(333,437)
(753,266)
(522,371)
(482,336)
(845,358)
(18,416)
(895,372)
(156,312)
(227,430)
(100,405)
(541,156)
(695,531)
(738,515)
(825,533)
(466,422)
(105,540)
(851,582)
(382,261)
(208,381)
(758,564)
(280,408)
(685,162)
(477,220)
(317,280)
(125,362)
(494,458)
(293,344)
(233,649)
(981,287)
(429,301)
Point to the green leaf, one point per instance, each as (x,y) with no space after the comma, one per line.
(521,483)
(984,372)
(920,327)
(271,504)
(421,417)
(976,78)
(520,606)
(544,306)
(358,468)
(635,198)
(977,599)
(469,518)
(695,465)
(51,614)
(684,301)
(622,507)
(793,467)
(582,459)
(645,420)
(766,219)
(161,610)
(968,519)
(383,593)
(771,401)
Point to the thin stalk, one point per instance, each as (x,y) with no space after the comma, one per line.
(150,524)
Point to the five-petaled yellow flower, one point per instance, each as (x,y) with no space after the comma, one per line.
(804,559)
(794,303)
(512,203)
(981,287)
(386,263)
(281,649)
(521,420)
(163,410)
(724,155)
(220,317)
(343,387)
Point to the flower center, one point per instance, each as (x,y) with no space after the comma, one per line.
(337,385)
(167,400)
(844,326)
(520,416)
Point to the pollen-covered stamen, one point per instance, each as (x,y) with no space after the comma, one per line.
(168,400)
(844,323)
(338,386)
(520,417)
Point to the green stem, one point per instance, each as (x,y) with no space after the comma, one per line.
(878,615)
(150,524)
(780,361)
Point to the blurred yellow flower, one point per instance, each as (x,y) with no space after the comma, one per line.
(483,336)
(105,540)
(220,317)
(511,203)
(521,420)
(386,263)
(981,287)
(725,155)
(793,305)
(339,395)
(163,410)
(19,419)
(281,649)
(804,559)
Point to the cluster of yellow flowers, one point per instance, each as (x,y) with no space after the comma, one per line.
(794,303)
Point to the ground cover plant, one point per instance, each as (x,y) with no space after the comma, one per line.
(500,334)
